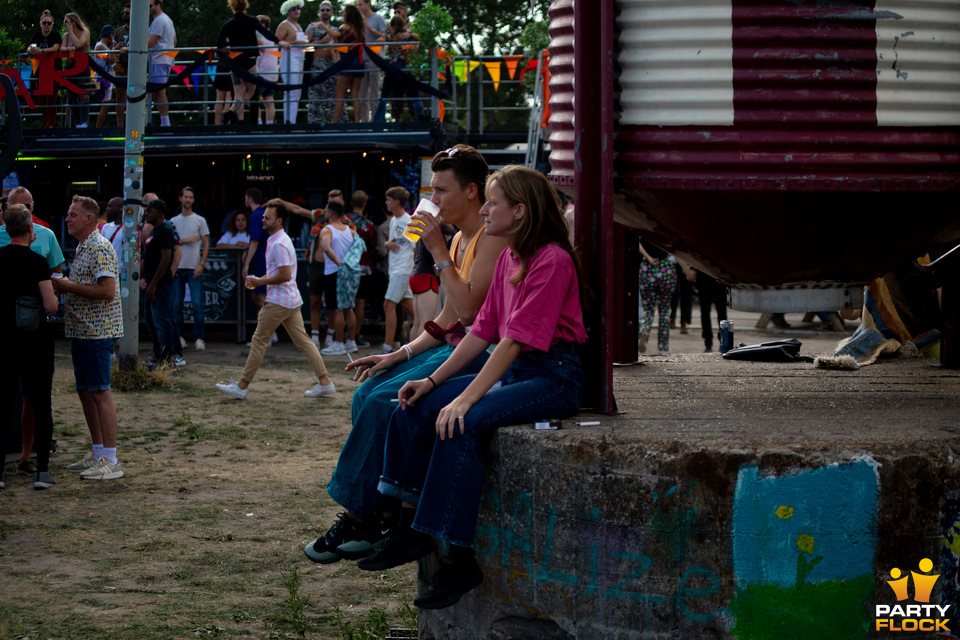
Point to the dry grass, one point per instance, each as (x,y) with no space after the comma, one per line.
(203,536)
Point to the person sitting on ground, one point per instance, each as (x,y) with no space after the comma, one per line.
(465,271)
(533,314)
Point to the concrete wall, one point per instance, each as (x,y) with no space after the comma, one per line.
(599,534)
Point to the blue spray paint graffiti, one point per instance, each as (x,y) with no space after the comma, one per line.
(617,565)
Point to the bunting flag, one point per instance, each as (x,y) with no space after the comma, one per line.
(441,77)
(464,67)
(274,53)
(493,68)
(512,62)
(441,109)
(177,68)
(5,62)
(197,78)
(170,54)
(545,120)
(441,54)
(376,48)
(236,54)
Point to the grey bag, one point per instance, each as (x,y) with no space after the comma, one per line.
(28,313)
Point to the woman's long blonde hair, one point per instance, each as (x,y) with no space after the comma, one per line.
(76,19)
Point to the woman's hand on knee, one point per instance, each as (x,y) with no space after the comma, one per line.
(453,416)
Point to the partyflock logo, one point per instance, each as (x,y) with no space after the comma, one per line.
(913,617)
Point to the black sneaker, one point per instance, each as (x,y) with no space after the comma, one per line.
(368,538)
(27,468)
(324,550)
(449,583)
(403,547)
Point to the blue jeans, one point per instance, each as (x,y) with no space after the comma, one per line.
(354,481)
(185,278)
(158,315)
(444,478)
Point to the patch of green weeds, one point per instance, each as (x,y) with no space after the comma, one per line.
(294,603)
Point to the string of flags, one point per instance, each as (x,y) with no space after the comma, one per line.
(463,67)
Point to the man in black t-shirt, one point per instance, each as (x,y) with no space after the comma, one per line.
(158,284)
(46,41)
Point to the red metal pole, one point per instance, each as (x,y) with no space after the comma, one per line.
(593,182)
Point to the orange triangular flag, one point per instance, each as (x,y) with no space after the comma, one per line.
(236,54)
(512,62)
(442,109)
(342,49)
(4,62)
(493,68)
(172,54)
(376,49)
(441,54)
(441,77)
(274,53)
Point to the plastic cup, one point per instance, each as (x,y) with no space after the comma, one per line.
(425,206)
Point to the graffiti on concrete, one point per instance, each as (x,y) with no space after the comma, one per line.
(553,565)
(803,551)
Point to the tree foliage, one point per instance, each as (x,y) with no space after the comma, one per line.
(487,27)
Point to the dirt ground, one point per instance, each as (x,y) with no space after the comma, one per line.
(203,535)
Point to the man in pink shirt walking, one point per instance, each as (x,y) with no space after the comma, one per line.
(282,306)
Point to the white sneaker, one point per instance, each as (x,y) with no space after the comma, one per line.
(328,340)
(88,462)
(200,344)
(178,361)
(335,349)
(320,390)
(315,339)
(233,390)
(385,348)
(274,339)
(105,470)
(350,346)
(183,342)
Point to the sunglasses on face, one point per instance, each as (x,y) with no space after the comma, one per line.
(46,23)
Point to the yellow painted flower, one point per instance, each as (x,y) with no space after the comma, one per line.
(805,542)
(784,512)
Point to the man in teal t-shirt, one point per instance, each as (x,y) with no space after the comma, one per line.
(45,242)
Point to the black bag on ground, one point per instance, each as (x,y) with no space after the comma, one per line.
(776,351)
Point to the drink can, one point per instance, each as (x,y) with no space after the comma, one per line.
(726,335)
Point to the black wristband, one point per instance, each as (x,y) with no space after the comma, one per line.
(430,378)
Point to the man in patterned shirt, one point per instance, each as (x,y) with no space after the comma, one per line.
(93,322)
(281,307)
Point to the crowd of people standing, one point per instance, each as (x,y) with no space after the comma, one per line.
(289,55)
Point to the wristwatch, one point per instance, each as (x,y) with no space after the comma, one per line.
(440,266)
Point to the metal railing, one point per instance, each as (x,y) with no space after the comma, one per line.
(473,103)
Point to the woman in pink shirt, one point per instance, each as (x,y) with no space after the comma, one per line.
(533,314)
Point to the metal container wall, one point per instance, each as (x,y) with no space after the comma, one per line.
(817,127)
(562,153)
